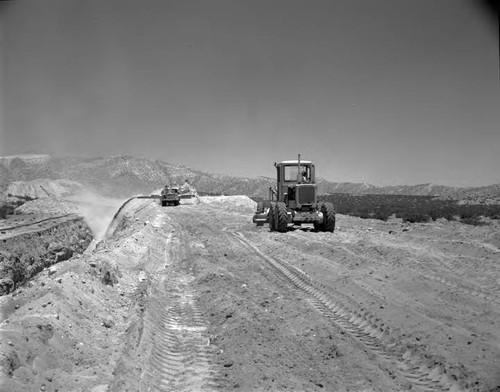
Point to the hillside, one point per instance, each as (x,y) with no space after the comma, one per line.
(127,175)
(124,175)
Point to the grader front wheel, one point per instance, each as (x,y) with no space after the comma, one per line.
(328,223)
(281,217)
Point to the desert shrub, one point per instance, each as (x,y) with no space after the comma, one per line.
(408,208)
(415,217)
(435,214)
(363,215)
(8,208)
(466,213)
(493,212)
(3,211)
(201,193)
(24,198)
(382,215)
(475,221)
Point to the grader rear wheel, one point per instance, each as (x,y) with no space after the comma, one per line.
(329,214)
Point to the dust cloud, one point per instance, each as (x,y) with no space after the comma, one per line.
(97,210)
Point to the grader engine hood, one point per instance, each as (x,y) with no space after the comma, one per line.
(305,194)
(301,195)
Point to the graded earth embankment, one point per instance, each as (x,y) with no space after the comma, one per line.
(33,243)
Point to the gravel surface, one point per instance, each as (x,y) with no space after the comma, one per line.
(197,298)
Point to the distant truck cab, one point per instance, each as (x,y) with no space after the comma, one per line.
(170,196)
(293,201)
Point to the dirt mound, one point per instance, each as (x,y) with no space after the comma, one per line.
(48,206)
(44,188)
(230,201)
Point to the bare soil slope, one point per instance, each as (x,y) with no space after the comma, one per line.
(196,298)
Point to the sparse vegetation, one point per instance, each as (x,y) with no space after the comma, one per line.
(410,208)
(210,193)
(3,211)
(414,217)
(9,207)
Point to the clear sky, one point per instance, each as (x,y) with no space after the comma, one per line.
(383,91)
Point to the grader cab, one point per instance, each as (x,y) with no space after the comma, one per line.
(294,200)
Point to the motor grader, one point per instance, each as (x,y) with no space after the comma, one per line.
(170,196)
(294,200)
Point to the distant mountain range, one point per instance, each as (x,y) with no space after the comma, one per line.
(123,176)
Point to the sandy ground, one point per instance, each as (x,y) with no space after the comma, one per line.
(197,298)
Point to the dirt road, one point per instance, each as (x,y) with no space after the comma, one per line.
(196,298)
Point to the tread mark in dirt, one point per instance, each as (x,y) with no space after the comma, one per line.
(179,358)
(474,291)
(485,286)
(359,326)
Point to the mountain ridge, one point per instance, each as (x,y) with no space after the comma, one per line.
(127,175)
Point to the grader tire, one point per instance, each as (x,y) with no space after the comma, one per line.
(328,223)
(271,217)
(319,225)
(281,217)
(328,217)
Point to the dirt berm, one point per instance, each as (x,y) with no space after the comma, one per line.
(197,298)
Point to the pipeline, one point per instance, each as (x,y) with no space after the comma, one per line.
(108,230)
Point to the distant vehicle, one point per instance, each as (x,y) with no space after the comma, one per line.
(170,196)
(293,201)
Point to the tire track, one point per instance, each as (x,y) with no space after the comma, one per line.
(460,277)
(365,328)
(479,292)
(179,358)
(466,276)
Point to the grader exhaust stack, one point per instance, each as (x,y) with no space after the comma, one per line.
(299,174)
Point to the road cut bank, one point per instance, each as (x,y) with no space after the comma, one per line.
(36,243)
